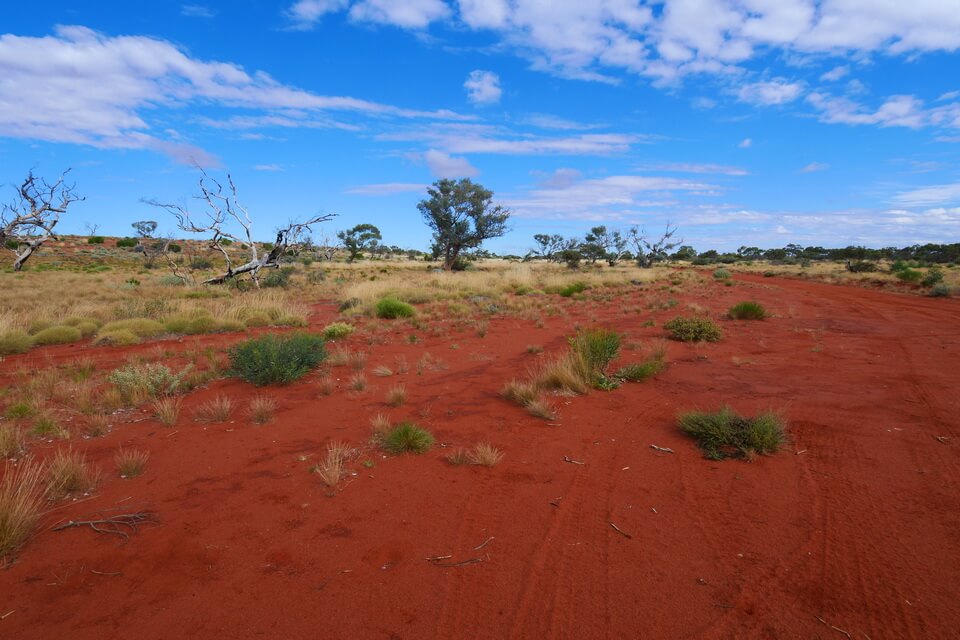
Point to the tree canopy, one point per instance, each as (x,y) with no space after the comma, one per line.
(462,215)
(361,238)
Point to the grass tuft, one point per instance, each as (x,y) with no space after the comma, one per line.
(68,473)
(337,330)
(331,469)
(22,490)
(261,409)
(747,311)
(57,335)
(131,462)
(485,454)
(15,342)
(271,359)
(695,329)
(12,442)
(407,437)
(391,308)
(724,434)
(217,409)
(396,395)
(167,410)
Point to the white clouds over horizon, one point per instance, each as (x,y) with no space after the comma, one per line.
(483,87)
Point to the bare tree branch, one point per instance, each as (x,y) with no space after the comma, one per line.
(30,219)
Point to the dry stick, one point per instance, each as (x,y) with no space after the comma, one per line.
(483,544)
(104,573)
(113,524)
(438,558)
(572,461)
(664,449)
(7,614)
(620,531)
(833,627)
(458,564)
(942,439)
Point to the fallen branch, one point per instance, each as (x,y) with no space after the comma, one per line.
(664,449)
(572,461)
(458,564)
(113,525)
(483,544)
(104,573)
(620,531)
(942,439)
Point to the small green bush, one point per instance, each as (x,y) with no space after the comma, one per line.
(407,436)
(572,289)
(95,240)
(15,342)
(59,334)
(934,276)
(19,410)
(138,382)
(939,290)
(278,278)
(639,372)
(747,311)
(117,338)
(337,330)
(861,266)
(391,308)
(725,434)
(271,359)
(192,324)
(596,349)
(140,327)
(909,275)
(127,242)
(721,274)
(695,329)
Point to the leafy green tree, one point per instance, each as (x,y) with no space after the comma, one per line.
(363,237)
(462,215)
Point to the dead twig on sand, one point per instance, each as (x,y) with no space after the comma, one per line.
(114,525)
(833,627)
(106,573)
(572,461)
(942,439)
(620,531)
(663,449)
(458,564)
(483,544)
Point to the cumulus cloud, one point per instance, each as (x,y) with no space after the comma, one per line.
(774,92)
(836,73)
(483,87)
(80,86)
(896,111)
(813,167)
(408,14)
(443,165)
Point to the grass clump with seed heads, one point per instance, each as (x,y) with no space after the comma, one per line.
(261,409)
(485,454)
(272,359)
(396,395)
(68,473)
(217,409)
(15,342)
(131,462)
(407,437)
(11,441)
(724,434)
(337,330)
(330,469)
(747,310)
(167,410)
(22,491)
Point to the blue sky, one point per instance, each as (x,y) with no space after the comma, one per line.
(744,122)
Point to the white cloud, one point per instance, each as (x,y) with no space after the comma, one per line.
(746,143)
(704,103)
(483,87)
(949,95)
(836,73)
(197,11)
(813,167)
(547,121)
(408,14)
(305,13)
(443,165)
(268,167)
(79,86)
(933,195)
(560,179)
(774,92)
(386,188)
(896,111)
(706,168)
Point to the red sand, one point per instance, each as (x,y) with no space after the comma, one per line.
(859,531)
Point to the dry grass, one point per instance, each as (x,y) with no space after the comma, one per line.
(261,409)
(22,490)
(519,392)
(167,410)
(396,395)
(68,473)
(383,371)
(331,469)
(459,456)
(541,408)
(485,454)
(326,385)
(217,409)
(358,382)
(98,425)
(380,425)
(566,373)
(12,442)
(131,462)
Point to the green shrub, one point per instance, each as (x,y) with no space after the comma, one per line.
(140,327)
(337,330)
(769,274)
(171,280)
(19,410)
(117,338)
(747,311)
(596,349)
(59,334)
(139,382)
(721,274)
(641,371)
(695,329)
(861,266)
(939,290)
(407,436)
(46,426)
(95,240)
(278,278)
(909,275)
(390,308)
(127,242)
(572,289)
(200,264)
(725,434)
(192,324)
(37,326)
(271,359)
(15,342)
(934,276)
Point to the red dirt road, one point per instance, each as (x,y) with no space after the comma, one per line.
(854,526)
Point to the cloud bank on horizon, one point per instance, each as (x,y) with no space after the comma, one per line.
(743,121)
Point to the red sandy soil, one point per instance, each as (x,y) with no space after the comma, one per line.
(854,526)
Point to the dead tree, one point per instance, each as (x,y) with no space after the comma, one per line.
(223,209)
(29,220)
(647,251)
